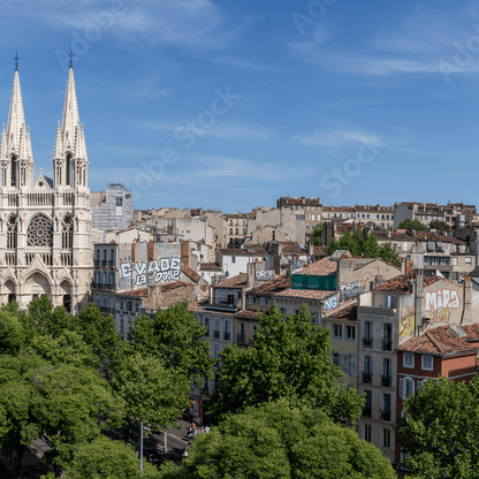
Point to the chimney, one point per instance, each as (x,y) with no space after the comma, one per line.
(211,292)
(467,312)
(185,253)
(403,265)
(251,273)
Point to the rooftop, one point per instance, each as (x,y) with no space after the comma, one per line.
(305,294)
(239,281)
(269,288)
(401,283)
(323,267)
(345,310)
(210,267)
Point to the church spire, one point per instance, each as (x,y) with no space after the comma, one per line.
(3,144)
(57,154)
(16,116)
(71,116)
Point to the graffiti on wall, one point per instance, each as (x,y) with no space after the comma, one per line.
(441,300)
(351,290)
(330,303)
(166,266)
(265,275)
(407,325)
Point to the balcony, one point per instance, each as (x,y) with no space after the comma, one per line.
(368,343)
(241,338)
(227,336)
(111,263)
(216,334)
(367,378)
(104,309)
(386,381)
(387,345)
(385,415)
(97,263)
(366,411)
(104,262)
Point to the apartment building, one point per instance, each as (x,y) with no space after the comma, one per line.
(112,210)
(374,216)
(453,214)
(450,351)
(389,315)
(309,207)
(236,229)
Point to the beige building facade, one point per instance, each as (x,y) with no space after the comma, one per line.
(45,224)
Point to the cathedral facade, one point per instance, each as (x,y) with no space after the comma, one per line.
(45,223)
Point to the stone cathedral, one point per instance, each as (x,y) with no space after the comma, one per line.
(45,224)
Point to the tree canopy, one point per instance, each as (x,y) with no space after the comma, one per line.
(316,233)
(412,224)
(280,440)
(288,358)
(441,430)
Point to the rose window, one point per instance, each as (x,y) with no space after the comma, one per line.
(40,232)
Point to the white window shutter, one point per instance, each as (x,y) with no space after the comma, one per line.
(401,388)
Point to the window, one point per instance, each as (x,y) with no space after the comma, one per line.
(217,329)
(251,300)
(350,333)
(386,438)
(455,260)
(337,331)
(367,432)
(227,331)
(207,325)
(367,404)
(317,321)
(468,259)
(40,231)
(368,334)
(408,360)
(337,359)
(387,337)
(216,350)
(350,364)
(12,232)
(368,370)
(390,302)
(233,259)
(427,363)
(67,232)
(403,415)
(406,387)
(386,377)
(386,411)
(307,227)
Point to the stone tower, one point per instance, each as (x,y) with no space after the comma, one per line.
(45,224)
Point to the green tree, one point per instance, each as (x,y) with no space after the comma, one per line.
(441,433)
(105,459)
(98,331)
(12,333)
(317,232)
(370,246)
(357,243)
(153,393)
(288,358)
(277,440)
(333,246)
(439,225)
(414,224)
(346,241)
(177,337)
(389,255)
(67,348)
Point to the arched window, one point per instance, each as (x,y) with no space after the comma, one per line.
(12,232)
(67,232)
(40,231)
(69,168)
(13,167)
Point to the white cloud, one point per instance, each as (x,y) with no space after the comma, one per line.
(338,138)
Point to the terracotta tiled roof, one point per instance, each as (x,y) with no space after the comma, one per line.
(304,294)
(247,315)
(269,288)
(320,250)
(323,267)
(345,310)
(210,267)
(295,249)
(136,293)
(143,292)
(472,331)
(175,285)
(249,250)
(337,209)
(401,283)
(196,307)
(193,275)
(238,281)
(437,341)
(428,236)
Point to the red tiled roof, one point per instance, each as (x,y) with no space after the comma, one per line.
(428,236)
(305,294)
(143,292)
(323,267)
(210,267)
(269,288)
(293,248)
(248,250)
(437,341)
(247,315)
(196,307)
(137,293)
(401,283)
(320,250)
(472,332)
(345,310)
(193,275)
(238,281)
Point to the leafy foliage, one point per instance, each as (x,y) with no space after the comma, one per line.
(389,255)
(12,333)
(152,392)
(441,434)
(177,337)
(316,233)
(439,225)
(412,224)
(277,440)
(289,358)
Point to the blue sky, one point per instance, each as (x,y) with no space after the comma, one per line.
(229,105)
